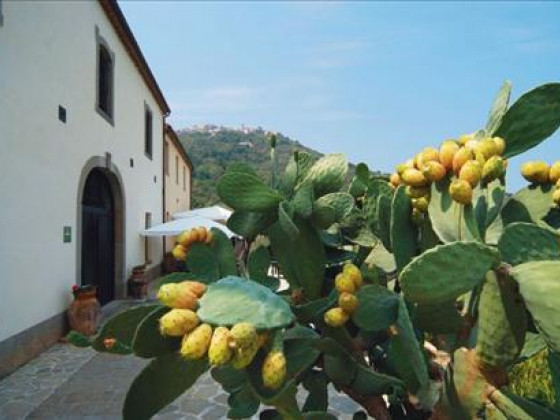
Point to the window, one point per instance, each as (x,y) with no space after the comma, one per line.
(184,178)
(148,224)
(166,158)
(148,119)
(105,82)
(105,79)
(1,15)
(177,170)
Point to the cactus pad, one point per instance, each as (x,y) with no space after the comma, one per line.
(450,220)
(447,271)
(243,191)
(539,284)
(525,242)
(342,203)
(403,231)
(234,299)
(328,174)
(502,322)
(443,318)
(250,224)
(377,309)
(499,108)
(531,119)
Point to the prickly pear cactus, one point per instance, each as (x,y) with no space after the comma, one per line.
(414,294)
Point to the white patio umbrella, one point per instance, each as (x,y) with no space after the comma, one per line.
(175,227)
(212,213)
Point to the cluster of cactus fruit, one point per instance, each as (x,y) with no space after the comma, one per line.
(409,318)
(538,172)
(237,346)
(187,238)
(472,159)
(347,284)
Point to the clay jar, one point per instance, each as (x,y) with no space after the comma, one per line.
(84,313)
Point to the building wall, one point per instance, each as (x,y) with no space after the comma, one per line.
(48,58)
(177,194)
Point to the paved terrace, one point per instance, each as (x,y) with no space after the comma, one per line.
(69,382)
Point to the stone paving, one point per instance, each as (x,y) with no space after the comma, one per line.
(69,382)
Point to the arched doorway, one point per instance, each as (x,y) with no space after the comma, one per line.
(98,235)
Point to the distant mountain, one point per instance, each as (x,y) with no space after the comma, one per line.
(212,149)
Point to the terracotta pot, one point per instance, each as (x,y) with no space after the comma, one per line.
(84,313)
(137,288)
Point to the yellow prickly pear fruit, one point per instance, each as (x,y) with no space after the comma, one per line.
(500,145)
(274,369)
(414,178)
(178,322)
(462,156)
(344,283)
(184,238)
(244,335)
(447,152)
(336,317)
(395,180)
(461,191)
(471,144)
(479,157)
(488,148)
(195,237)
(348,302)
(434,171)
(429,154)
(350,270)
(554,174)
(219,352)
(201,232)
(493,169)
(464,138)
(536,171)
(242,357)
(471,172)
(179,252)
(417,192)
(421,204)
(195,287)
(195,345)
(177,297)
(209,237)
(409,164)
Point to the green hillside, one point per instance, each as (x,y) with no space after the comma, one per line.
(212,152)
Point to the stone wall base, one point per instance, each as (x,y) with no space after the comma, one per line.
(26,345)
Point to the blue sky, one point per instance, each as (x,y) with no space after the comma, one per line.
(377,81)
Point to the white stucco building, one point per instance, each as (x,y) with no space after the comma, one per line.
(82,123)
(177,169)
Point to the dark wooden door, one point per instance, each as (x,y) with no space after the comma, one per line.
(98,236)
